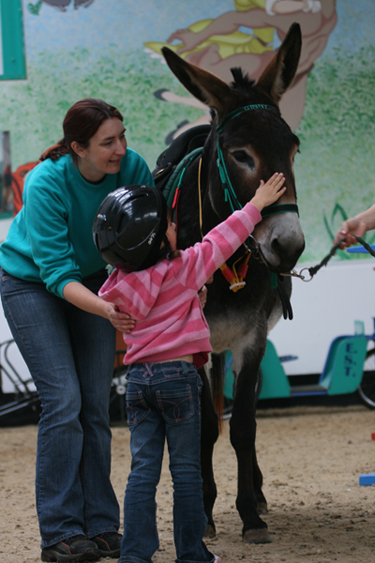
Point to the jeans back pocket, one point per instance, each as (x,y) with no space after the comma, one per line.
(176,406)
(136,407)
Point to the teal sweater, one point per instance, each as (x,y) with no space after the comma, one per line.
(50,240)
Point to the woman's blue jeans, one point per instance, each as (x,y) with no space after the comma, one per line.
(163,401)
(70,355)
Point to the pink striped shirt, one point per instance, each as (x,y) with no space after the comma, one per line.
(164,299)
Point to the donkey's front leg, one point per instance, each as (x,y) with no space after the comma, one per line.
(258,484)
(242,435)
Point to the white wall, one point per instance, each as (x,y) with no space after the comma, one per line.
(324,308)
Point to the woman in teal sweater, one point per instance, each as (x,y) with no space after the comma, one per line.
(51,273)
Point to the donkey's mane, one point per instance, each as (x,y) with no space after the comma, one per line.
(241,81)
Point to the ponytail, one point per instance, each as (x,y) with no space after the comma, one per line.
(55,151)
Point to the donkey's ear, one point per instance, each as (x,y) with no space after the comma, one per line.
(279,73)
(203,85)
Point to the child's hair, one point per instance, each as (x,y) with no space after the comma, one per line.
(165,250)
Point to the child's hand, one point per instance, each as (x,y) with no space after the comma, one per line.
(269,192)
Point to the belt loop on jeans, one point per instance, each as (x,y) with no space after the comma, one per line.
(148,369)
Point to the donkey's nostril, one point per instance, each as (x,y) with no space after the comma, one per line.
(277,247)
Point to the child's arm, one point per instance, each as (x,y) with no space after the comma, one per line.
(204,258)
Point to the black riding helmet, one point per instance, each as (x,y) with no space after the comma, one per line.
(130,225)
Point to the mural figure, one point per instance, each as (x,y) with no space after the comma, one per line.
(18,181)
(219,45)
(60,5)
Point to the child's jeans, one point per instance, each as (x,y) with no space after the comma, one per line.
(163,400)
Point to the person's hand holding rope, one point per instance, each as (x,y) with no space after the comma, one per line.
(355,227)
(349,230)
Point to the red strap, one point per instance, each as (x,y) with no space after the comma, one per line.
(175,205)
(227,273)
(176,196)
(242,270)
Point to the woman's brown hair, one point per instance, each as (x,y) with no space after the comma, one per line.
(80,124)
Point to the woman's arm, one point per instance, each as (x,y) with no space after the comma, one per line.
(84,299)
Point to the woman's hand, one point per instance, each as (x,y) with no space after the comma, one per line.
(348,229)
(202,294)
(121,321)
(77,294)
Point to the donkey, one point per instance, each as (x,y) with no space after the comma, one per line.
(248,141)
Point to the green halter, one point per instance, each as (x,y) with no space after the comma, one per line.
(229,193)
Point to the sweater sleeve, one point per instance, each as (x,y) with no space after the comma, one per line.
(47,227)
(200,261)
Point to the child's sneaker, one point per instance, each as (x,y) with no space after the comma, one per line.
(217,559)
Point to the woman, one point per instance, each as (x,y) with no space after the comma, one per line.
(51,274)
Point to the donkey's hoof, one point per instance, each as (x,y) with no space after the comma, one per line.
(257,535)
(210,531)
(262,508)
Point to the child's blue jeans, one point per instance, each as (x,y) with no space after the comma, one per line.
(163,400)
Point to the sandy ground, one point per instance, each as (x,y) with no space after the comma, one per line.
(311,459)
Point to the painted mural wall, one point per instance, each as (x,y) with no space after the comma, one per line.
(110,49)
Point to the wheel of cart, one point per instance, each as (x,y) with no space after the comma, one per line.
(117,406)
(25,394)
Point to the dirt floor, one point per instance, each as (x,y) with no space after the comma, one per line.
(311,459)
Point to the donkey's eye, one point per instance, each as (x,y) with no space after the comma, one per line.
(244,158)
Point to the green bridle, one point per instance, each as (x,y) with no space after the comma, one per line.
(229,192)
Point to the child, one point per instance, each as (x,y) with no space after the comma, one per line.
(170,341)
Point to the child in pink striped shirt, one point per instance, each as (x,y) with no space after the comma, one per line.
(158,286)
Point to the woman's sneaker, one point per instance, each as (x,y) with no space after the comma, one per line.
(77,548)
(109,544)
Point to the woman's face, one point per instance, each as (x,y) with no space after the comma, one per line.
(104,153)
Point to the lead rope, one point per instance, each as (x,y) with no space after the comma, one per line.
(315,269)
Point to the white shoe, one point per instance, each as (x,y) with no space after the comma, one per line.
(217,559)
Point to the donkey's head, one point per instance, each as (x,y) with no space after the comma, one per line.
(250,141)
